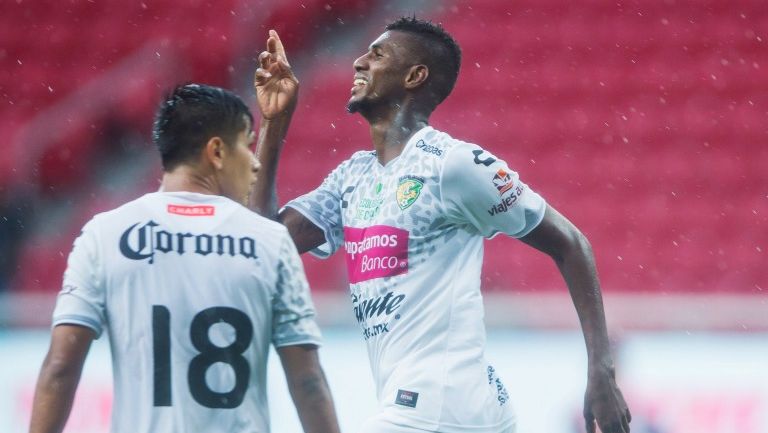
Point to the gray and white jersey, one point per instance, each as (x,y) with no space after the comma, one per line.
(412,232)
(192,290)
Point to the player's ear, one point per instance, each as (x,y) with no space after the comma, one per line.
(417,76)
(215,151)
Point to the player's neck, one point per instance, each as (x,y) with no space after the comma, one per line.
(187,179)
(390,134)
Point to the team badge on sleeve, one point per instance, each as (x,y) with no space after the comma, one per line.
(408,191)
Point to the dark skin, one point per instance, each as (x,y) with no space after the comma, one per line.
(219,170)
(392,92)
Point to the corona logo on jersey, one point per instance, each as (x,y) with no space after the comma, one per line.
(142,241)
(375,252)
(375,314)
(408,190)
(503,181)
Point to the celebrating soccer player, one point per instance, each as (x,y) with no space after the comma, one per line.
(192,288)
(411,215)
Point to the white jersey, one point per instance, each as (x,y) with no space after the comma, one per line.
(413,234)
(192,290)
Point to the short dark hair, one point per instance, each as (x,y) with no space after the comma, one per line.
(190,115)
(444,54)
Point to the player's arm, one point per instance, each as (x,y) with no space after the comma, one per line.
(309,389)
(571,251)
(277,93)
(277,90)
(59,377)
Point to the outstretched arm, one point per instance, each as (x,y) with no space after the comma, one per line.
(277,92)
(569,248)
(308,388)
(59,377)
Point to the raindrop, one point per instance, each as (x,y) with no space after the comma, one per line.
(477,64)
(621,259)
(333,126)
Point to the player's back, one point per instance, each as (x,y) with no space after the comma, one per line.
(188,284)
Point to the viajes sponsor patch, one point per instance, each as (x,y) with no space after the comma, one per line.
(506,203)
(408,190)
(197,210)
(406,398)
(503,181)
(375,252)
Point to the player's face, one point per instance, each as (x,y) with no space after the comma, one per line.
(380,73)
(240,167)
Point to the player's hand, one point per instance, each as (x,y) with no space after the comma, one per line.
(604,405)
(276,86)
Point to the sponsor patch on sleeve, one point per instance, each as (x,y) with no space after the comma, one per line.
(503,181)
(406,398)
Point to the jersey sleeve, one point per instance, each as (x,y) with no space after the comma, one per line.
(293,314)
(481,191)
(81,300)
(323,207)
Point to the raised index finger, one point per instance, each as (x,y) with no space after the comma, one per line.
(275,45)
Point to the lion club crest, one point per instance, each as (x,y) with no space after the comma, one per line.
(408,191)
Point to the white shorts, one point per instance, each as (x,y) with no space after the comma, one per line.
(380,423)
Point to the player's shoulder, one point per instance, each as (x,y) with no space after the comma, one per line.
(248,218)
(109,217)
(441,145)
(452,152)
(361,158)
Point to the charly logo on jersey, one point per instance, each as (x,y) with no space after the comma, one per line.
(503,181)
(196,210)
(368,208)
(375,252)
(375,314)
(142,241)
(408,190)
(428,148)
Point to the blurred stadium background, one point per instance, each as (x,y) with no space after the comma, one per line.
(646,122)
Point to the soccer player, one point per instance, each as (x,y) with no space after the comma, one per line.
(411,216)
(192,288)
